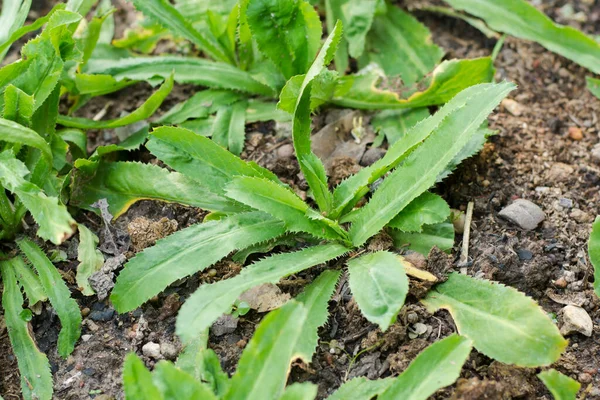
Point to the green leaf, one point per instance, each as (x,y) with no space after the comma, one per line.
(162,12)
(439,235)
(282,203)
(60,297)
(265,111)
(474,22)
(288,32)
(124,183)
(436,367)
(503,323)
(203,364)
(55,222)
(358,19)
(201,159)
(561,386)
(401,46)
(90,259)
(315,298)
(263,368)
(420,169)
(29,280)
(300,391)
(146,110)
(594,253)
(521,19)
(593,86)
(197,71)
(137,380)
(209,302)
(229,129)
(186,252)
(18,106)
(426,209)
(395,123)
(98,85)
(361,389)
(175,384)
(132,142)
(333,14)
(200,105)
(12,17)
(34,368)
(447,80)
(13,132)
(379,285)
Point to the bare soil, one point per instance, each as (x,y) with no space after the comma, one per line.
(534,157)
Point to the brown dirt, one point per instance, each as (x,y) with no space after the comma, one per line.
(532,157)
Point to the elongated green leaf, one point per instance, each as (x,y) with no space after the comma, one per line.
(593,86)
(288,32)
(359,16)
(439,235)
(168,16)
(145,111)
(521,19)
(89,257)
(379,285)
(137,380)
(204,365)
(315,298)
(29,280)
(426,209)
(201,159)
(502,323)
(186,252)
(60,297)
(55,222)
(395,123)
(265,111)
(474,22)
(13,132)
(437,366)
(229,129)
(200,105)
(561,386)
(34,368)
(175,384)
(12,17)
(333,14)
(187,70)
(402,46)
(447,80)
(209,302)
(420,170)
(300,391)
(281,203)
(98,85)
(18,106)
(361,389)
(594,252)
(124,183)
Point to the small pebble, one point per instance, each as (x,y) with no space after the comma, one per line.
(412,317)
(566,203)
(212,272)
(560,172)
(561,283)
(85,312)
(576,320)
(285,151)
(151,350)
(596,153)
(523,213)
(575,133)
(581,216)
(524,254)
(513,107)
(584,377)
(371,156)
(168,350)
(224,325)
(105,315)
(86,338)
(416,259)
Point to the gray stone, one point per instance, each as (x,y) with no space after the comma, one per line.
(596,153)
(576,320)
(168,350)
(371,155)
(523,213)
(151,350)
(566,203)
(581,216)
(285,151)
(224,325)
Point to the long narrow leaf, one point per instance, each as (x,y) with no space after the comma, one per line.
(36,380)
(594,252)
(419,172)
(186,252)
(29,280)
(60,297)
(209,302)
